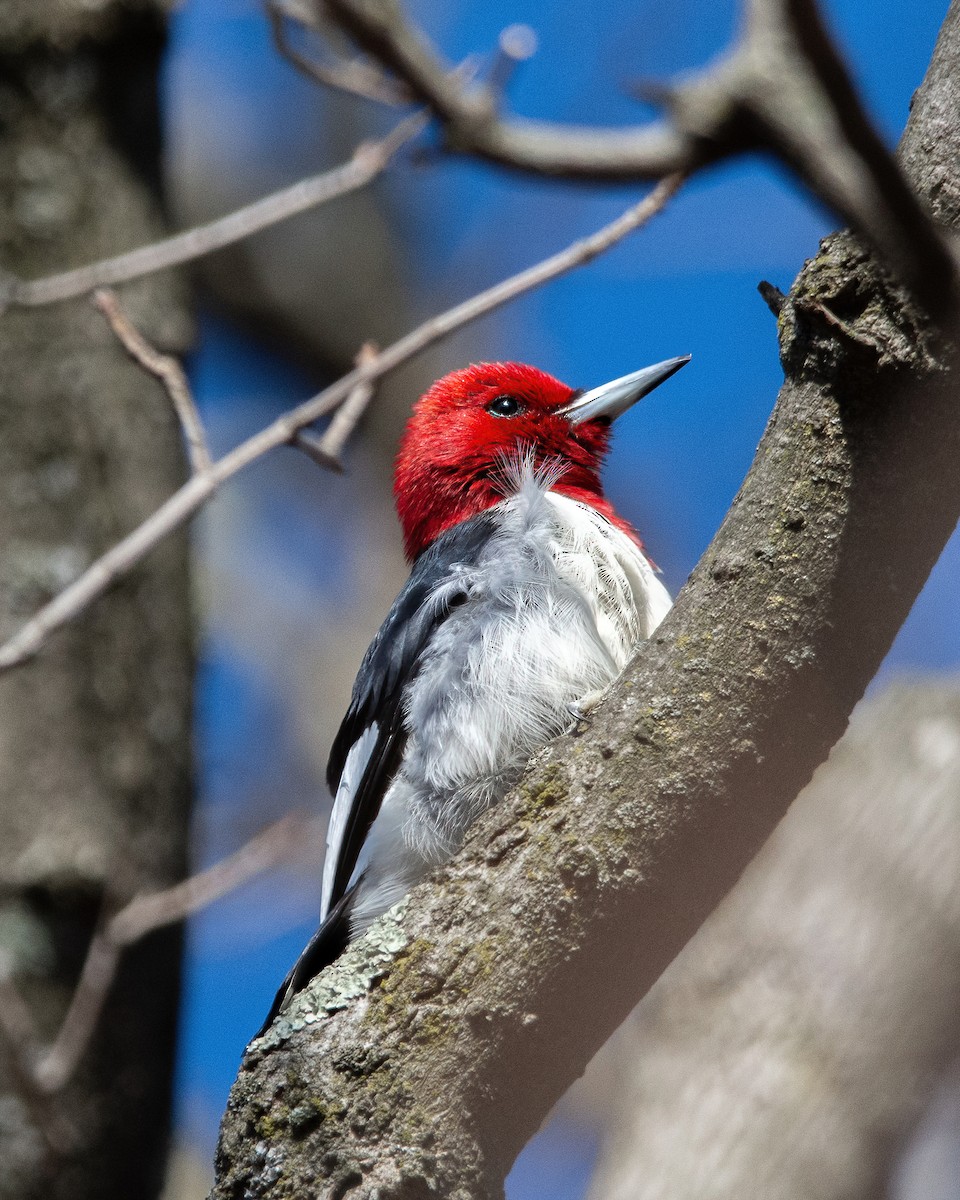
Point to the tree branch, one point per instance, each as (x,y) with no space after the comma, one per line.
(355,77)
(164,367)
(422,1061)
(141,916)
(43,1073)
(144,914)
(369,160)
(121,558)
(345,419)
(19,1036)
(782,89)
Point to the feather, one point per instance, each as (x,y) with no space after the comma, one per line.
(508,621)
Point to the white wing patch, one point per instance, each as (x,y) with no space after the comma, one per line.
(353,769)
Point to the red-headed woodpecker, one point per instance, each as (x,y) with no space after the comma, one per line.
(527,594)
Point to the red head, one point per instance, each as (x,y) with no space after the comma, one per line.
(469,424)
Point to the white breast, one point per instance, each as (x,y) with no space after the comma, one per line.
(553,607)
(621,588)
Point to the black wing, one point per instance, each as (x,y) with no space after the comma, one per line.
(369,745)
(327,944)
(373,733)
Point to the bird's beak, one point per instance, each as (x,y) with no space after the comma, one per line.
(611,399)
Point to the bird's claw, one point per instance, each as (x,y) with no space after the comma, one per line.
(581,709)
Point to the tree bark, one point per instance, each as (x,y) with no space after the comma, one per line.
(95,735)
(790,1049)
(421,1063)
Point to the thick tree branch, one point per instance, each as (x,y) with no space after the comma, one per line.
(125,555)
(782,89)
(421,1062)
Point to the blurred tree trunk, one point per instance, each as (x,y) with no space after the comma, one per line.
(790,1049)
(94,736)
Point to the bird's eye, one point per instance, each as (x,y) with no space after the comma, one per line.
(505,406)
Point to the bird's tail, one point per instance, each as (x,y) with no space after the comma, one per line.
(326,945)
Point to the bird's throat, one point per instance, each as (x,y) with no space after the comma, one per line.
(438,504)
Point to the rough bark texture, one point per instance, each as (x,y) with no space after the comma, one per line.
(791,1047)
(94,736)
(421,1063)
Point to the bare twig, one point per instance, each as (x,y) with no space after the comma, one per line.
(122,557)
(354,76)
(42,1074)
(312,446)
(783,89)
(167,369)
(349,413)
(19,1034)
(56,1068)
(473,125)
(326,451)
(145,913)
(141,916)
(516,44)
(368,161)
